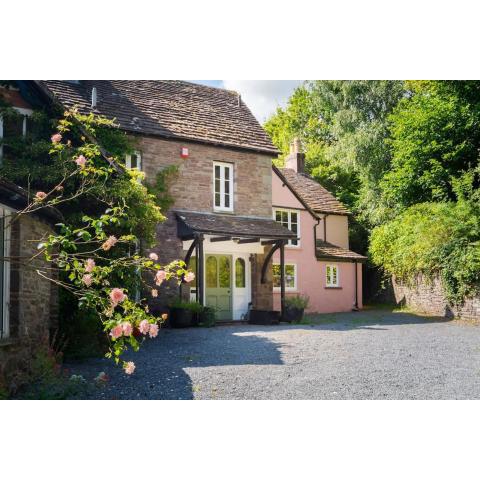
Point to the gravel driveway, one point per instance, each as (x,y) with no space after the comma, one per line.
(372,354)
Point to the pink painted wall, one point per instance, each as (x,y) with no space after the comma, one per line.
(311,276)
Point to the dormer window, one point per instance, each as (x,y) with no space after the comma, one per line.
(12,126)
(223,187)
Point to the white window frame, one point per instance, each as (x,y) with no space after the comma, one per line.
(128,161)
(331,284)
(295,277)
(26,112)
(289,212)
(222,207)
(6,214)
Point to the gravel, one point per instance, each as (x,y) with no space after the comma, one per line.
(365,355)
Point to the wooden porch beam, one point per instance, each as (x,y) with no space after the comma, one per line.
(247,240)
(220,239)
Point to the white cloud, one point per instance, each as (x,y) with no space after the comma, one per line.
(263,96)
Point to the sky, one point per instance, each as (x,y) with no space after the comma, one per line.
(262,96)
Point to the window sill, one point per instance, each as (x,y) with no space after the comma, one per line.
(333,288)
(277,290)
(216,210)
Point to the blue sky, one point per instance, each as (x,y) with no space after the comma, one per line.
(262,96)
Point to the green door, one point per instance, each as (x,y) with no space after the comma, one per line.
(218,283)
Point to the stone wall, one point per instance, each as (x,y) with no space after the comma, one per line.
(192,189)
(428,297)
(33,300)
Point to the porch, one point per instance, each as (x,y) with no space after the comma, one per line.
(230,256)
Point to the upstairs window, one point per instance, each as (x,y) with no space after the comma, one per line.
(13,126)
(332,279)
(134,161)
(289,219)
(223,187)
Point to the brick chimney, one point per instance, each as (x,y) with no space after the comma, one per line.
(296,158)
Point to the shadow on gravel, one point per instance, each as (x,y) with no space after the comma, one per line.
(161,363)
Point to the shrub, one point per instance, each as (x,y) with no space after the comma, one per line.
(433,239)
(298,301)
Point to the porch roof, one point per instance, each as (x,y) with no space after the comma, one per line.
(328,251)
(191,223)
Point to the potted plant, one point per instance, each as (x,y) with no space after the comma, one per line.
(184,314)
(207,317)
(295,308)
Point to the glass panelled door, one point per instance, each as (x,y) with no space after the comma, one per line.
(218,283)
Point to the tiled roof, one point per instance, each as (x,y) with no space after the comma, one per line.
(312,193)
(328,250)
(232,225)
(169,108)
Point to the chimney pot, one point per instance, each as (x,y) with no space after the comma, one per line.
(296,158)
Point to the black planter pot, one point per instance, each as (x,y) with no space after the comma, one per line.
(292,314)
(181,317)
(264,317)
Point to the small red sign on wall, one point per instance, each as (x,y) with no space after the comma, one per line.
(184,153)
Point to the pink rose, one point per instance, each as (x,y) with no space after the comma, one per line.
(81,161)
(87,279)
(127,328)
(89,265)
(56,138)
(153,330)
(129,368)
(160,276)
(116,332)
(109,242)
(153,256)
(189,277)
(39,196)
(117,296)
(144,327)
(154,292)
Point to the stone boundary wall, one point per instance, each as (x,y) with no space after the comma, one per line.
(429,297)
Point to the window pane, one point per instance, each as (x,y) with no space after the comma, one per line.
(211,272)
(290,276)
(224,272)
(133,161)
(240,273)
(193,268)
(285,218)
(217,199)
(293,217)
(334,276)
(12,126)
(217,172)
(278,216)
(227,186)
(329,275)
(276,275)
(227,201)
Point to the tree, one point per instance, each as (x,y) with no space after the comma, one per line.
(435,139)
(94,254)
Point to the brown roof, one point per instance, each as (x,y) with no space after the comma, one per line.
(169,108)
(326,250)
(231,225)
(316,197)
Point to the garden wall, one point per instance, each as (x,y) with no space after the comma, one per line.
(429,297)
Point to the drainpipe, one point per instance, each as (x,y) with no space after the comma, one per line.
(325,227)
(355,264)
(315,232)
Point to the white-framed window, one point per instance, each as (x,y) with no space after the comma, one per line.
(223,186)
(291,220)
(134,161)
(5,214)
(290,277)
(332,277)
(14,126)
